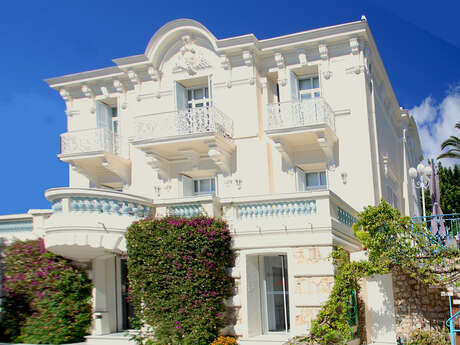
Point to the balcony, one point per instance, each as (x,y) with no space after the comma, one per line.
(188,133)
(86,223)
(97,153)
(301,123)
(317,217)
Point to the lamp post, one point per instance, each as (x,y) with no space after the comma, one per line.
(421,178)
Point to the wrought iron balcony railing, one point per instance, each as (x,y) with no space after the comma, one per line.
(89,141)
(310,112)
(447,234)
(188,122)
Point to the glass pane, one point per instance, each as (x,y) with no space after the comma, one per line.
(305,96)
(317,94)
(315,82)
(198,93)
(213,185)
(206,92)
(305,84)
(322,177)
(277,293)
(195,186)
(312,180)
(189,95)
(205,186)
(198,105)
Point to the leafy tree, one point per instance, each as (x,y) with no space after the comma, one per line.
(449,185)
(453,143)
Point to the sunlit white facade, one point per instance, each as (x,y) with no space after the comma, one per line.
(287,138)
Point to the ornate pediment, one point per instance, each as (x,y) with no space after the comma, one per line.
(189,58)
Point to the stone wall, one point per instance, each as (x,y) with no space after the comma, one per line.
(417,306)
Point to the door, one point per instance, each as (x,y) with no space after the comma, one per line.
(275,293)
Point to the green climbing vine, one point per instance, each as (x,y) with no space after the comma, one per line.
(393,243)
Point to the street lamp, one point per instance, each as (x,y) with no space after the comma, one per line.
(421,178)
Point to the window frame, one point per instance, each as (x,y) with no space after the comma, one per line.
(320,186)
(312,91)
(212,186)
(192,102)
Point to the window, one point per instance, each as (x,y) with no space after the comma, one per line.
(198,186)
(204,186)
(309,88)
(310,180)
(197,97)
(315,180)
(392,198)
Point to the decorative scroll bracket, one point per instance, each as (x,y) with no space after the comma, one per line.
(324,55)
(89,93)
(118,85)
(226,65)
(249,62)
(156,78)
(159,164)
(220,157)
(285,151)
(281,64)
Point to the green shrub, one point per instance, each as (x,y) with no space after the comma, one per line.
(178,278)
(425,337)
(47,299)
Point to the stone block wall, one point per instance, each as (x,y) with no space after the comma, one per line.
(417,306)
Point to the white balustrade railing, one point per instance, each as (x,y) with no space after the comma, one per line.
(315,111)
(183,123)
(98,201)
(89,140)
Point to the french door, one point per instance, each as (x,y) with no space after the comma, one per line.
(275,293)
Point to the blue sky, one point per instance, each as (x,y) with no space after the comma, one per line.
(419,43)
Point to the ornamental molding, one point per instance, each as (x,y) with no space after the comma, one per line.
(189,59)
(159,164)
(248,59)
(226,65)
(136,80)
(324,55)
(120,88)
(354,48)
(281,64)
(88,92)
(302,54)
(286,153)
(220,157)
(155,75)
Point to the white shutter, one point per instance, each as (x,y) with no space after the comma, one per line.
(294,84)
(103,115)
(301,184)
(181,97)
(187,186)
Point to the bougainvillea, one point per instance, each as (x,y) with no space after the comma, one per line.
(46,298)
(178,273)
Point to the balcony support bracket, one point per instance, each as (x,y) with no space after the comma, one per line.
(220,157)
(159,164)
(286,153)
(328,148)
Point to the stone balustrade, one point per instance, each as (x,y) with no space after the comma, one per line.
(91,218)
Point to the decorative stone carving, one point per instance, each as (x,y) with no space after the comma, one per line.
(158,164)
(280,62)
(249,62)
(89,93)
(65,95)
(302,56)
(134,78)
(324,55)
(354,47)
(226,65)
(156,76)
(189,59)
(119,87)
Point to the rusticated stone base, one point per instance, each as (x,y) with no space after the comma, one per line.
(417,306)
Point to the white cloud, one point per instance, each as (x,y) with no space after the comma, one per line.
(436,122)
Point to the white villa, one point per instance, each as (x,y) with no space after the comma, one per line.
(287,138)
